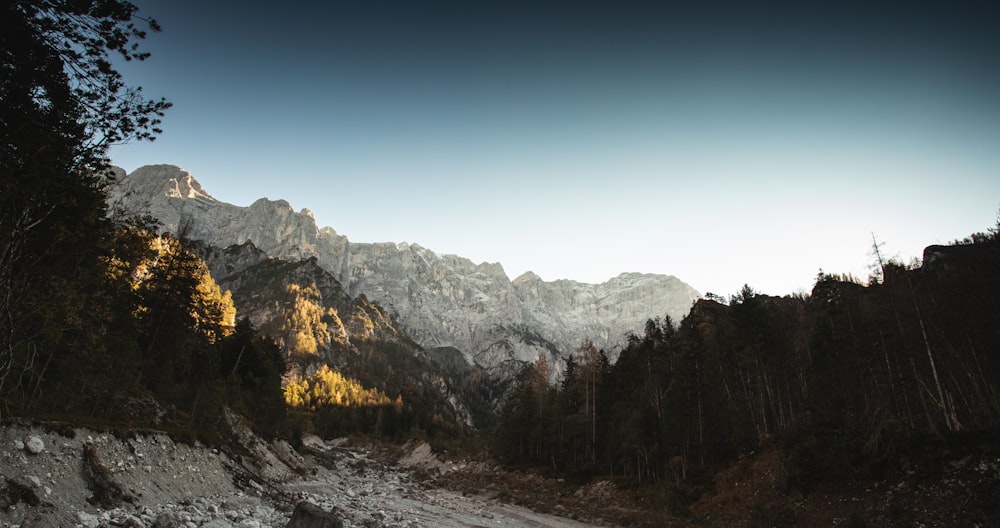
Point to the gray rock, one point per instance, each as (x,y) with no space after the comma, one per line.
(88,520)
(131,521)
(217,523)
(307,515)
(35,445)
(313,441)
(168,520)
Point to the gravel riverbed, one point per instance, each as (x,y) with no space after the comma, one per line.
(81,477)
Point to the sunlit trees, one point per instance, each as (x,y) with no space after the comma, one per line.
(181,313)
(334,404)
(309,328)
(328,387)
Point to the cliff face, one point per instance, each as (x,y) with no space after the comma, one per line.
(316,323)
(605,312)
(439,300)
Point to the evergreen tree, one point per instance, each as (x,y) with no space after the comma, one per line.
(62,104)
(252,367)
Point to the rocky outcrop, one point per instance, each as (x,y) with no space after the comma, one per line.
(440,300)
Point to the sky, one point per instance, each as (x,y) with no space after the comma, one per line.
(724,143)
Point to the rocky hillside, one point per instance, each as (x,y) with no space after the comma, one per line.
(315,322)
(267,291)
(440,300)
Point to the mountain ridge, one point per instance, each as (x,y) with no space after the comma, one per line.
(441,300)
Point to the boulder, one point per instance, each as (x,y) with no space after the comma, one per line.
(308,515)
(35,445)
(88,520)
(313,441)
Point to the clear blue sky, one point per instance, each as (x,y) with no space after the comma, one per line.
(721,144)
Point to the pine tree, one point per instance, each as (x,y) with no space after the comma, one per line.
(62,104)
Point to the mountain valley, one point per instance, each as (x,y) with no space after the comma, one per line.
(440,301)
(170,360)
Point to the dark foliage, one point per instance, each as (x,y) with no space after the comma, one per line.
(101,320)
(473,383)
(61,106)
(252,367)
(838,381)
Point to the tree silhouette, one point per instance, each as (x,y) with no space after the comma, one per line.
(833,382)
(62,104)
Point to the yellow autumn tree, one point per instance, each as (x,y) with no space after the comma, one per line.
(173,271)
(328,387)
(309,327)
(295,394)
(212,309)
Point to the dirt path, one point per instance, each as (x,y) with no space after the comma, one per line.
(368,493)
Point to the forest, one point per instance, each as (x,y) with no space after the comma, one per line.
(839,380)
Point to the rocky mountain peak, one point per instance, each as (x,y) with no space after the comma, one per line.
(526,278)
(168,180)
(440,300)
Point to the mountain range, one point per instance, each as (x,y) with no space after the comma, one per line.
(440,301)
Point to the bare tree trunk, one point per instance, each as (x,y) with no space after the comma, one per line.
(701,429)
(41,375)
(593,425)
(947,410)
(888,370)
(988,388)
(923,401)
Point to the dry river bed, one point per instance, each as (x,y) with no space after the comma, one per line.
(63,477)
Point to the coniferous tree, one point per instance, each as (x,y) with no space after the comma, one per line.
(252,367)
(62,104)
(832,382)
